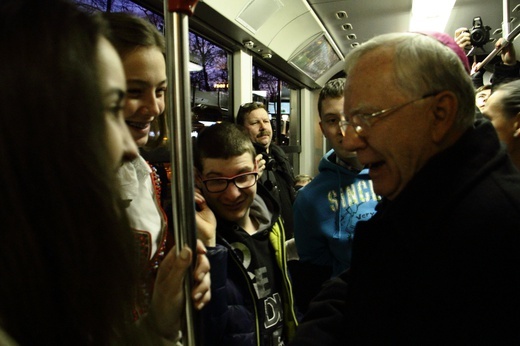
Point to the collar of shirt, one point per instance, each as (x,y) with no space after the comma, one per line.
(130,174)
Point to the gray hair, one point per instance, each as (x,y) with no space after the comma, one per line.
(423,65)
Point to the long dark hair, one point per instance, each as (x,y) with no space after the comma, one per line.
(66,271)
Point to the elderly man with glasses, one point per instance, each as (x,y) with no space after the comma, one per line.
(252,301)
(439,262)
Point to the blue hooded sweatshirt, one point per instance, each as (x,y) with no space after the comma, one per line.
(326,212)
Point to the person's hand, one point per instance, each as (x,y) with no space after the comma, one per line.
(167,304)
(475,67)
(205,220)
(201,293)
(260,164)
(462,37)
(508,53)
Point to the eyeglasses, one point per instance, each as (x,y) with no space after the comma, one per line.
(362,122)
(241,181)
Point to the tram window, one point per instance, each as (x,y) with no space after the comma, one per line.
(128,6)
(275,93)
(209,78)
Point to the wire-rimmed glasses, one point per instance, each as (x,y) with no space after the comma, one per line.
(363,121)
(241,181)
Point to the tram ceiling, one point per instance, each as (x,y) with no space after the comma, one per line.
(368,18)
(288,34)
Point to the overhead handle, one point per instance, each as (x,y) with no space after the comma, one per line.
(182,6)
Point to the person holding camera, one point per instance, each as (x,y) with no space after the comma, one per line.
(506,69)
(278,176)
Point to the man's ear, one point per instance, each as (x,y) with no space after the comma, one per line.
(321,128)
(444,109)
(516,126)
(198,179)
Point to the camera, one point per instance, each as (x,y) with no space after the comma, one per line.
(270,162)
(479,34)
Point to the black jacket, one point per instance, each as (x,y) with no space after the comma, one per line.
(502,74)
(278,179)
(232,316)
(440,264)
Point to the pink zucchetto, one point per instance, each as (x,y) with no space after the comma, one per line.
(449,42)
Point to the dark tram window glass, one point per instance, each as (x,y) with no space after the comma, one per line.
(209,78)
(121,6)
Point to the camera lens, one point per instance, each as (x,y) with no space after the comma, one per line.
(477,36)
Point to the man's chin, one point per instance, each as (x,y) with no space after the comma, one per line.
(233,215)
(265,142)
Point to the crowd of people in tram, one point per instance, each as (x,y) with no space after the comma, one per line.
(409,233)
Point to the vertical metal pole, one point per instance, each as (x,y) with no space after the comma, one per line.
(278,139)
(178,112)
(505,21)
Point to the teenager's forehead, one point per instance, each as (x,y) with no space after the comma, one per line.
(229,166)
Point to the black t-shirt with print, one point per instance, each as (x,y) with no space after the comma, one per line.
(257,256)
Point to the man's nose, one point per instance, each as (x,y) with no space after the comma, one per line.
(352,140)
(232,191)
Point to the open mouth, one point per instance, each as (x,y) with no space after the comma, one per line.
(375,165)
(137,125)
(374,168)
